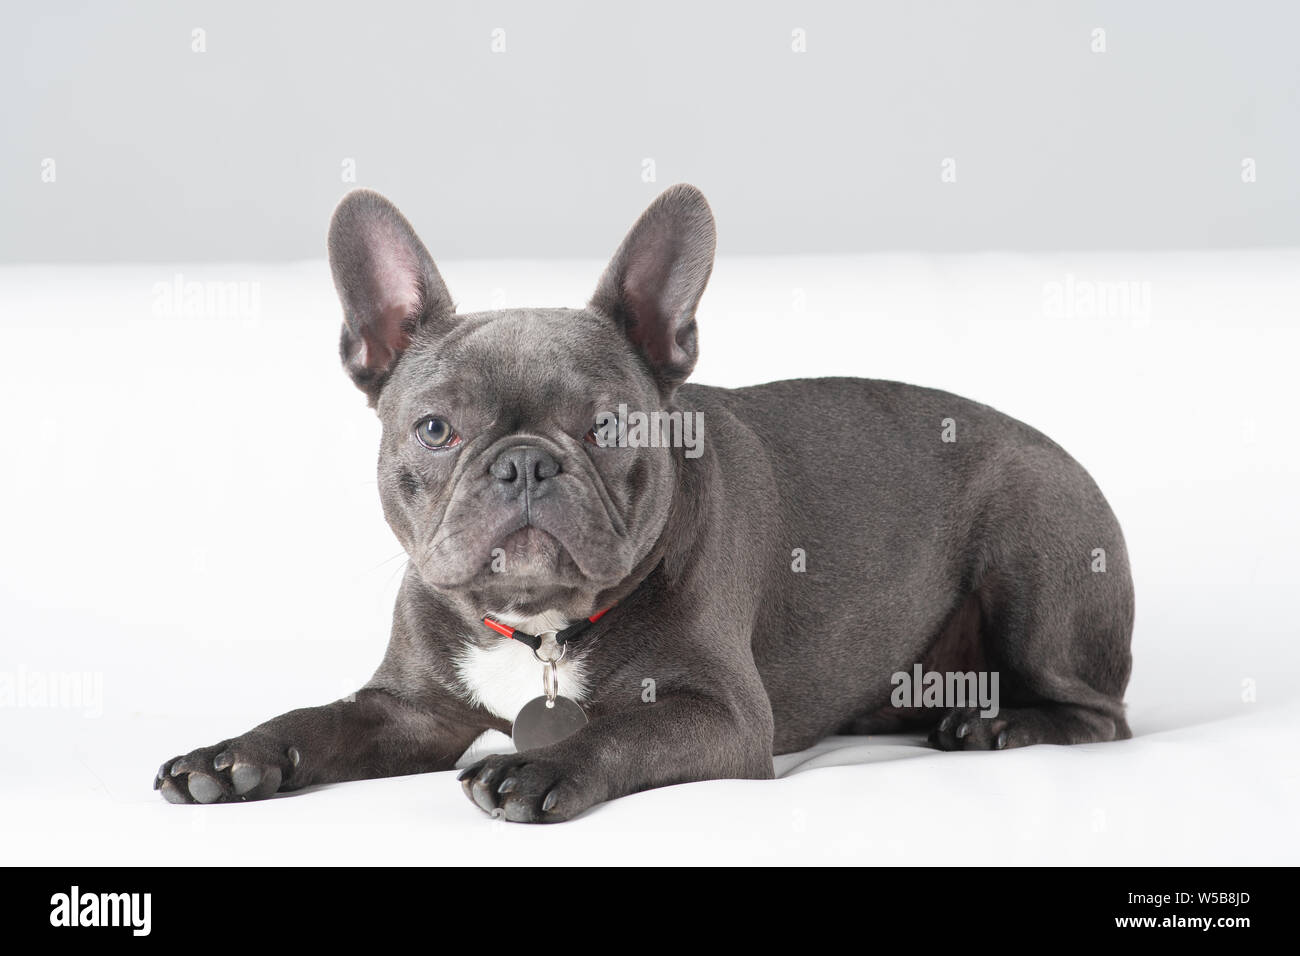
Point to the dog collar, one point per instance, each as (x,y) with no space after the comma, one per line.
(562,637)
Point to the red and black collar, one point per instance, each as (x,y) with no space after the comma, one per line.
(562,637)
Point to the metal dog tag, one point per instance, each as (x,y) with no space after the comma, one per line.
(543,722)
(550,718)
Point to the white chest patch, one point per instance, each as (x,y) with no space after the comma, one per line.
(504,675)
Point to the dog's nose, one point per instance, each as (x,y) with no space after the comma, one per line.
(524,469)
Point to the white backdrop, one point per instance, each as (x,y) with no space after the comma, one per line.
(189,517)
(524,128)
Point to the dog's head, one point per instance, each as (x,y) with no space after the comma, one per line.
(496,469)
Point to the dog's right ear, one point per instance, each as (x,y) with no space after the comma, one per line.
(652,286)
(387,283)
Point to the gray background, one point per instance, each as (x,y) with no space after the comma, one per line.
(236,153)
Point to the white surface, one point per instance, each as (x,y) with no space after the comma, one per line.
(189,516)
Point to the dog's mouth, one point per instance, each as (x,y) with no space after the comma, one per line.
(530,550)
(559,541)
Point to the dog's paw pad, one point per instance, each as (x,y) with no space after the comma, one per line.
(243,769)
(247,777)
(965,729)
(205,789)
(522,789)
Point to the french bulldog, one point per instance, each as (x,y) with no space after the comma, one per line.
(751,594)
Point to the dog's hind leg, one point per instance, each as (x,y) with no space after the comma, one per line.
(1057,622)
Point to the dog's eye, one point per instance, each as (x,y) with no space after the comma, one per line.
(604,434)
(435,432)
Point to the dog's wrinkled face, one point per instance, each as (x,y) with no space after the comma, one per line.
(490,473)
(493,471)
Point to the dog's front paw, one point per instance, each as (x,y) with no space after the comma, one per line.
(245,768)
(526,789)
(964,729)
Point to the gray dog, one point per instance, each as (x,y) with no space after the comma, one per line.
(681,603)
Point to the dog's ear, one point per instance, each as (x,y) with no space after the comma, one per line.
(387,283)
(654,282)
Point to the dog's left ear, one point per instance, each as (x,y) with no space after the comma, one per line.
(387,283)
(653,284)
